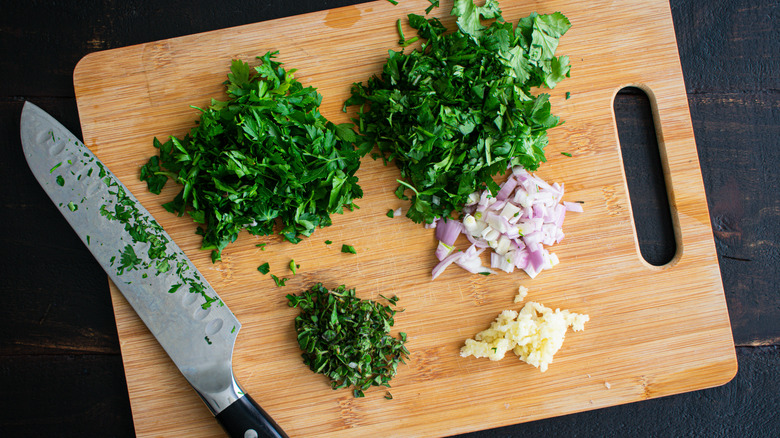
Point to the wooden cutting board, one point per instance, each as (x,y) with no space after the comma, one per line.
(654,331)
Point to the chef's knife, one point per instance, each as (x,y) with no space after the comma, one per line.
(173,299)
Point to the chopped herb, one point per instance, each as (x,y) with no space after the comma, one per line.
(55,167)
(394,2)
(174,288)
(568,95)
(461,107)
(390,213)
(87,239)
(348,249)
(261,246)
(128,261)
(60,180)
(484,273)
(566,153)
(348,339)
(233,330)
(294,267)
(208,341)
(72,206)
(388,396)
(328,242)
(264,268)
(264,156)
(279,281)
(403,41)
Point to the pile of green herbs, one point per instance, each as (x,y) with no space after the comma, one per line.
(347,338)
(460,109)
(265,155)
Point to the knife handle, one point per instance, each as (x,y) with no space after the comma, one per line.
(244,418)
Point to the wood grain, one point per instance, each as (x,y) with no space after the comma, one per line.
(653,331)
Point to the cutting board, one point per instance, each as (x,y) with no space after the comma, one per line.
(653,331)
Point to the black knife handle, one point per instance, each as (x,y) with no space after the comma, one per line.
(244,418)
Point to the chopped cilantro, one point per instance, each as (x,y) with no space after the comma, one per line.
(462,106)
(348,249)
(264,268)
(566,153)
(60,180)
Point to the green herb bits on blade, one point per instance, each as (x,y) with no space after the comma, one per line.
(347,338)
(263,157)
(462,108)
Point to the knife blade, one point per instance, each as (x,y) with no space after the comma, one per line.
(183,312)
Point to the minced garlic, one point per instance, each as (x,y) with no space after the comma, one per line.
(535,334)
(522,291)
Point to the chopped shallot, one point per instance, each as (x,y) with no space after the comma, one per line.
(526,215)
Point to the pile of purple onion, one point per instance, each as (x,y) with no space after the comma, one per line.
(518,223)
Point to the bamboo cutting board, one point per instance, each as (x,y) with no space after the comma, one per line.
(654,331)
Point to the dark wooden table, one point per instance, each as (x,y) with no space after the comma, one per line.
(61,371)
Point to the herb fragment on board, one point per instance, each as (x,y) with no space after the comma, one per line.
(264,156)
(328,242)
(566,154)
(279,281)
(349,249)
(462,108)
(261,246)
(264,268)
(348,339)
(294,267)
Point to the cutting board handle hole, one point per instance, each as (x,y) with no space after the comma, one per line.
(645,176)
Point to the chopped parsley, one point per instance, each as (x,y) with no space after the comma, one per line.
(265,155)
(279,281)
(349,249)
(264,268)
